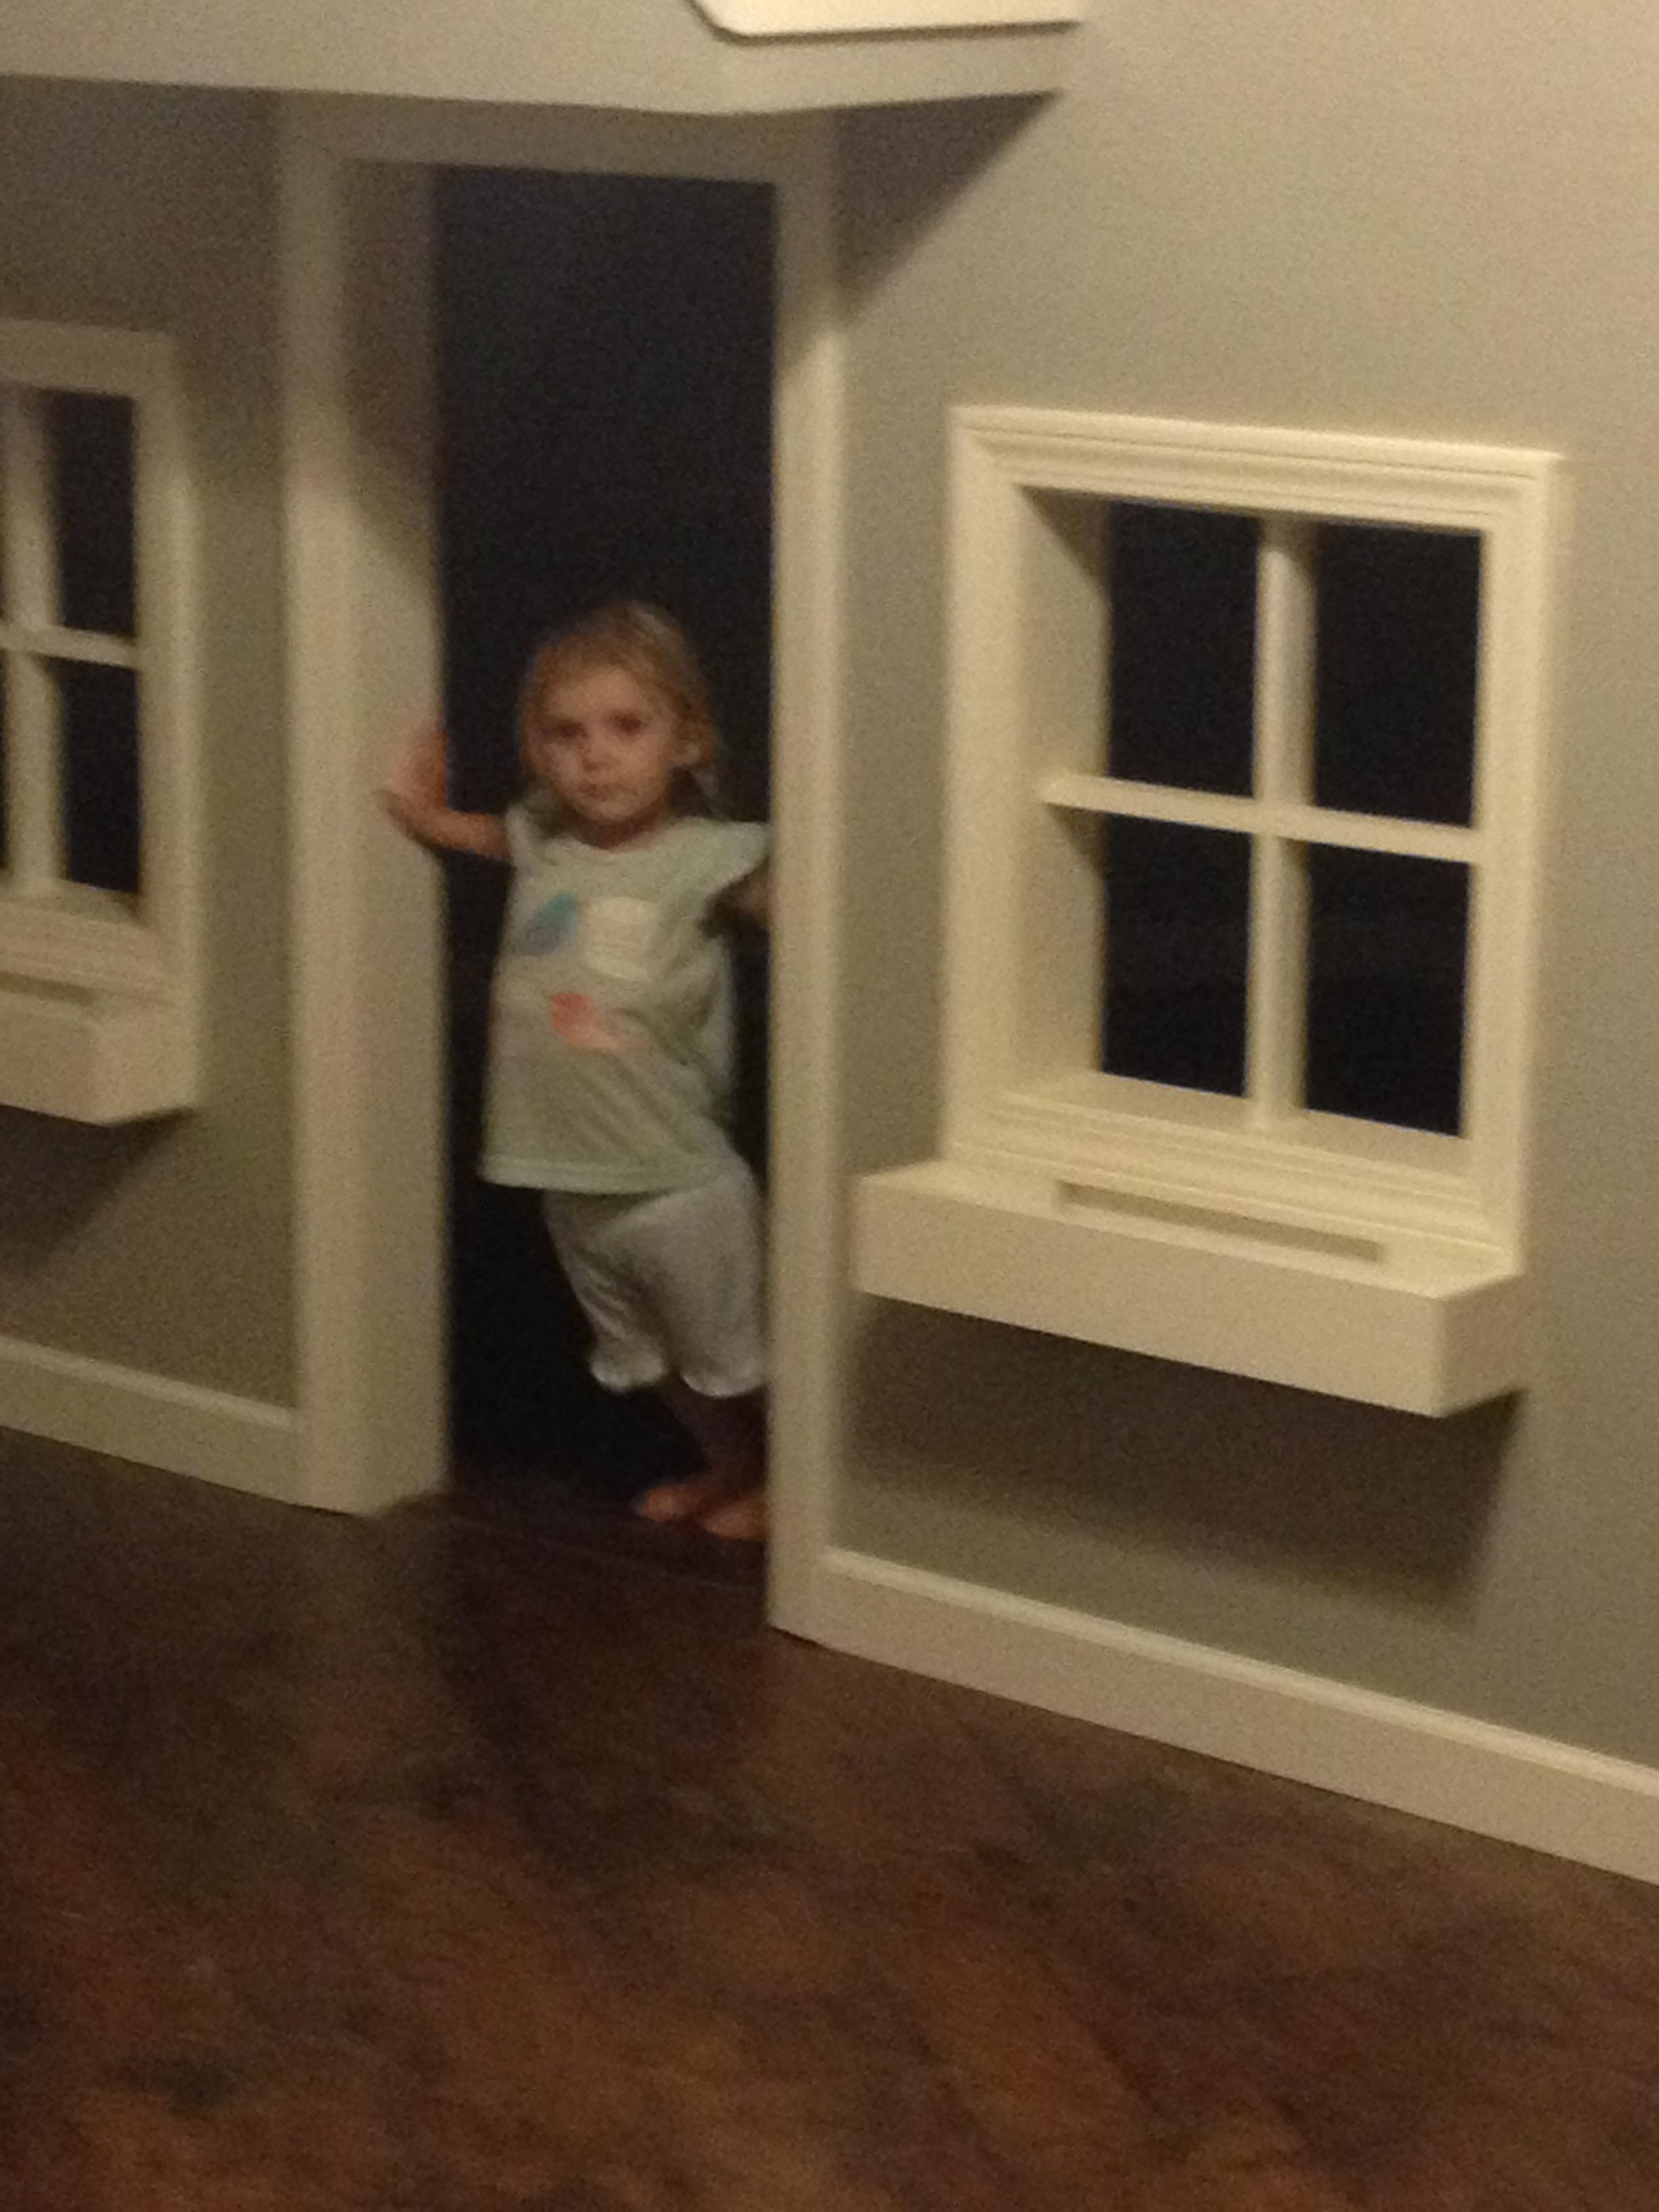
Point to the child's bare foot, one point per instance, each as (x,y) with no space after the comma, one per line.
(741,1519)
(727,1498)
(684,1501)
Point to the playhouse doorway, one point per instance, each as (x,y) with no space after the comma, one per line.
(604,413)
(364,651)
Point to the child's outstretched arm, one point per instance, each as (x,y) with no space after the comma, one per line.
(416,795)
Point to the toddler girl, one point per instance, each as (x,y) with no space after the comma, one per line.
(610,1031)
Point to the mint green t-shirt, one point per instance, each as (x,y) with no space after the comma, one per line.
(611,1022)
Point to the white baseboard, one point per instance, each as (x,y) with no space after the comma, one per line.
(240,1442)
(1471,1774)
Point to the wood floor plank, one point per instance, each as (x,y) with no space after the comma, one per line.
(496,1859)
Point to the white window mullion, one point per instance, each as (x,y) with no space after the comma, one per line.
(55,644)
(35,835)
(1284,753)
(35,828)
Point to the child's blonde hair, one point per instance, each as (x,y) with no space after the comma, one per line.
(647,644)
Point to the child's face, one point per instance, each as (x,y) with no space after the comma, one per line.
(609,747)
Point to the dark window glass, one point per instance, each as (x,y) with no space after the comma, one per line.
(92,449)
(1387,958)
(1181,676)
(1177,941)
(1395,671)
(100,774)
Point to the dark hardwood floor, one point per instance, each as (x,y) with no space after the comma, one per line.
(495,1855)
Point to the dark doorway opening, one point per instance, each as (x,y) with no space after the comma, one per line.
(605,380)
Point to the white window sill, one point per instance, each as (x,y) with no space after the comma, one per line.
(88,940)
(93,1055)
(1427,1325)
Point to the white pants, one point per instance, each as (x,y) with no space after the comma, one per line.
(671,1282)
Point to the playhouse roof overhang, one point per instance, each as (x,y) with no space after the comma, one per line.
(677,57)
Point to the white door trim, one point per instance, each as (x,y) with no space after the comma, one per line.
(362,654)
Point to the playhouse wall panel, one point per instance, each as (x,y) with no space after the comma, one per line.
(165,1248)
(1282,216)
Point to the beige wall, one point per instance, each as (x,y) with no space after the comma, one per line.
(166,1247)
(1428,221)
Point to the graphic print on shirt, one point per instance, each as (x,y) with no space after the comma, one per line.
(563,942)
(552,925)
(619,938)
(586,1027)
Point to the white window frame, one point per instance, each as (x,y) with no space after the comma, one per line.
(1024,1107)
(98,990)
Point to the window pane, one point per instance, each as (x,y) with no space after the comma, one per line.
(1395,671)
(92,449)
(100,774)
(1177,941)
(1180,585)
(1388,957)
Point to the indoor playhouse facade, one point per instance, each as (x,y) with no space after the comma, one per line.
(1214,672)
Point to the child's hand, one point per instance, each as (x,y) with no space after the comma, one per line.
(415,791)
(750,898)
